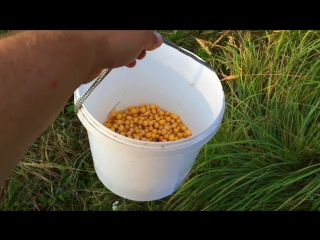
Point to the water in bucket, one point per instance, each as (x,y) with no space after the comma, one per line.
(146,171)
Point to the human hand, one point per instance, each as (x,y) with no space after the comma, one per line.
(113,49)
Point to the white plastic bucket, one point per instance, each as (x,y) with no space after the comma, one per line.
(146,171)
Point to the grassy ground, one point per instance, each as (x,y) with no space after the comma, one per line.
(265,156)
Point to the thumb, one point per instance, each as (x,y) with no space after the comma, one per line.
(154,40)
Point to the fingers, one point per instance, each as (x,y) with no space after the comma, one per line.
(131,65)
(154,40)
(142,55)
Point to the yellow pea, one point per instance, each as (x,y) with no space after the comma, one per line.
(171,137)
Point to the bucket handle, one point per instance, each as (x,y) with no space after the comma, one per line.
(106,71)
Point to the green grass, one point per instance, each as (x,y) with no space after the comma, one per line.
(265,156)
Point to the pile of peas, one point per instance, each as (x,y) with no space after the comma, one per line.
(147,123)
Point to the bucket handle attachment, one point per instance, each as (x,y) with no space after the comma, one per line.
(106,71)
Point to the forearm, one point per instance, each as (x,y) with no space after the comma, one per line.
(39,71)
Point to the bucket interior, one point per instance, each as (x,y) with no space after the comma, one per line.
(166,77)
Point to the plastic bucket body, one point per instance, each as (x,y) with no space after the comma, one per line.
(146,171)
